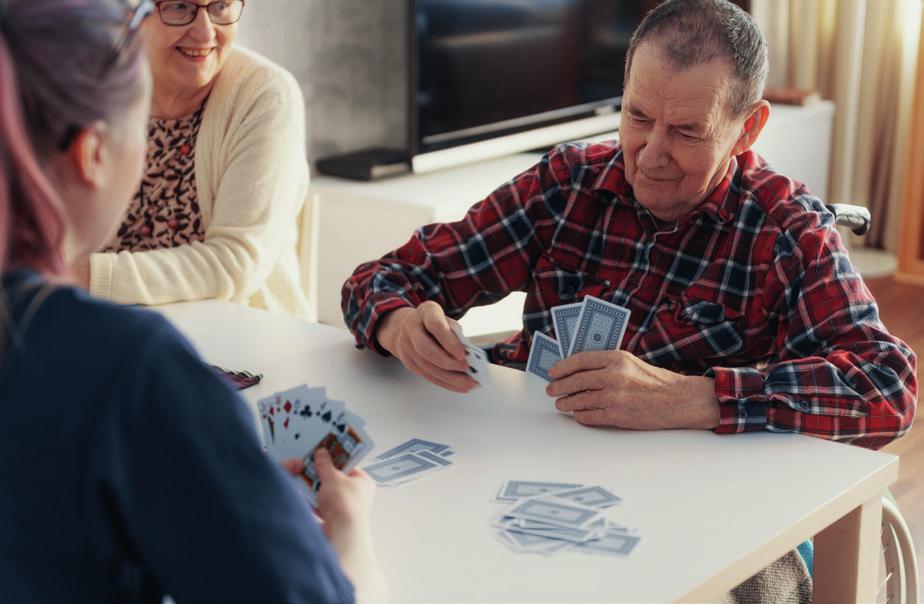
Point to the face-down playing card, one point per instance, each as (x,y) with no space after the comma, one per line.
(601,326)
(543,354)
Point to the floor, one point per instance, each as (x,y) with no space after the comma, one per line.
(899,307)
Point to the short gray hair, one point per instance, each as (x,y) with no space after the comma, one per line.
(693,32)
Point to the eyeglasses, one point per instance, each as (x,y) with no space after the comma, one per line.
(137,11)
(140,9)
(179,13)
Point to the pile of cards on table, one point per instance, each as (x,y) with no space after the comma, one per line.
(550,517)
(592,324)
(411,460)
(298,422)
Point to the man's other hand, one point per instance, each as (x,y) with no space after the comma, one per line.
(616,388)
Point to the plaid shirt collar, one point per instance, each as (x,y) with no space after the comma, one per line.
(721,205)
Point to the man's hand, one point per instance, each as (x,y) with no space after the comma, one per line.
(616,388)
(422,339)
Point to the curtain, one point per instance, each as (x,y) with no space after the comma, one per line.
(862,55)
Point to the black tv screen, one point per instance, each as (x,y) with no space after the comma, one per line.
(491,67)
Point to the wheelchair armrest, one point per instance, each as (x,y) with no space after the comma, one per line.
(856,218)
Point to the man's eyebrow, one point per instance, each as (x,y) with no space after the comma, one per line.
(633,110)
(691,126)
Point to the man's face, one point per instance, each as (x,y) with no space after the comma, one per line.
(676,132)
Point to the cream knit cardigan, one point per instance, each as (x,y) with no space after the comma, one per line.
(251,180)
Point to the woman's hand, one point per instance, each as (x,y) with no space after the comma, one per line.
(345,507)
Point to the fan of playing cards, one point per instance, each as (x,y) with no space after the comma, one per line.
(550,517)
(592,324)
(298,422)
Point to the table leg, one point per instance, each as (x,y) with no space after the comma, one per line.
(847,556)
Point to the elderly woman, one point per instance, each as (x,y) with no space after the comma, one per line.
(147,478)
(226,175)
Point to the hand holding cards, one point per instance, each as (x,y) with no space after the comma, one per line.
(593,324)
(298,422)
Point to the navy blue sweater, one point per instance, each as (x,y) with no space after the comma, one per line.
(129,470)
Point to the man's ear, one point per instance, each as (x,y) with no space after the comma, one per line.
(86,154)
(754,121)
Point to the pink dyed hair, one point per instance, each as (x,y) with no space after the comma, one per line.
(31,226)
(52,80)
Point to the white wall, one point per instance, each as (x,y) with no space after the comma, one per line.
(348,55)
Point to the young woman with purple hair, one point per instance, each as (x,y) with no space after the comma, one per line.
(128,469)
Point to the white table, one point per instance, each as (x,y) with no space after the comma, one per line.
(711,510)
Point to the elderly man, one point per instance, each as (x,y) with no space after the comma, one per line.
(746,313)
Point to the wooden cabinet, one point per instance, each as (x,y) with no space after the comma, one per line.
(911,235)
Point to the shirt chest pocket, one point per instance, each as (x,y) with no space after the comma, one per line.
(691,335)
(555,284)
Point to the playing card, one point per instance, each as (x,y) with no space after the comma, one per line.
(522,489)
(414,445)
(552,511)
(437,459)
(595,497)
(601,326)
(267,423)
(401,469)
(543,354)
(276,413)
(240,380)
(572,535)
(302,425)
(347,448)
(614,543)
(476,357)
(565,320)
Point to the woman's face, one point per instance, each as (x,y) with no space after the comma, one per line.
(187,58)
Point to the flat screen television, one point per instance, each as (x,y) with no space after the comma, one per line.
(481,72)
(488,68)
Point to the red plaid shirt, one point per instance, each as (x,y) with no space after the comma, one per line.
(754,289)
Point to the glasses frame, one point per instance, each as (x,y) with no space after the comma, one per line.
(140,10)
(195,14)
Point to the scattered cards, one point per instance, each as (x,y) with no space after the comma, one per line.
(298,422)
(551,517)
(593,324)
(411,460)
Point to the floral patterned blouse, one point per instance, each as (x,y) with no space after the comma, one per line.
(165,212)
